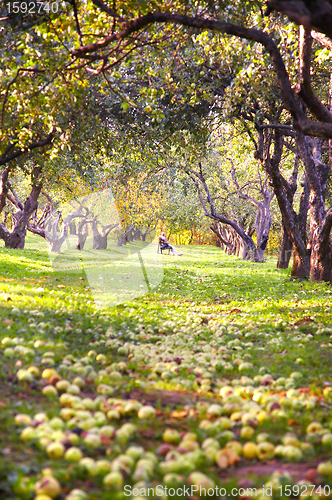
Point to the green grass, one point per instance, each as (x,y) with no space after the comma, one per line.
(213,311)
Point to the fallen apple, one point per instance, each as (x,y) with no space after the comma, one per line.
(146,413)
(171,436)
(49,390)
(113,480)
(73,454)
(48,485)
(200,480)
(325,469)
(247,432)
(22,419)
(55,450)
(249,450)
(265,450)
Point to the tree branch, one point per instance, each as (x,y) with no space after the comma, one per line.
(305,92)
(242,195)
(313,15)
(38,144)
(73,2)
(322,39)
(105,8)
(307,126)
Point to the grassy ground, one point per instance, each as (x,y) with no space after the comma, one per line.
(215,330)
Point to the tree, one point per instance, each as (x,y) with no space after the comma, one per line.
(16,237)
(131,31)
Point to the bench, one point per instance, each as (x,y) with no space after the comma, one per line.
(161,250)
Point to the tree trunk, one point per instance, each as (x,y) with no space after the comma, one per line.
(301,265)
(321,251)
(72,229)
(285,252)
(99,242)
(82,234)
(320,263)
(245,251)
(17,237)
(320,220)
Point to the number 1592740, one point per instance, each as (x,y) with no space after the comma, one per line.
(32,7)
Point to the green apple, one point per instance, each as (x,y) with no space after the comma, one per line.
(57,423)
(73,389)
(62,385)
(236,446)
(325,469)
(292,453)
(48,485)
(247,432)
(314,428)
(92,440)
(55,450)
(24,376)
(113,415)
(215,410)
(49,390)
(100,418)
(28,434)
(103,466)
(34,371)
(76,494)
(90,465)
(113,480)
(73,454)
(327,439)
(135,452)
(173,480)
(146,413)
(79,381)
(210,442)
(171,436)
(107,430)
(262,436)
(22,419)
(200,480)
(88,403)
(265,450)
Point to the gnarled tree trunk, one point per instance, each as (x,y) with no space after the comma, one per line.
(82,233)
(16,239)
(100,237)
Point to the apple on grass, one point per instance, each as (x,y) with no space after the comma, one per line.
(49,390)
(22,419)
(103,466)
(73,454)
(325,469)
(113,480)
(146,413)
(76,494)
(247,432)
(55,450)
(171,436)
(200,480)
(249,450)
(265,450)
(90,465)
(48,485)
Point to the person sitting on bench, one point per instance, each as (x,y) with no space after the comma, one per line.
(164,244)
